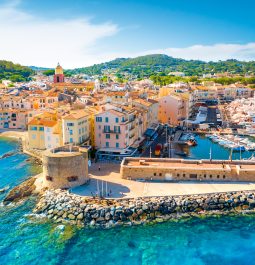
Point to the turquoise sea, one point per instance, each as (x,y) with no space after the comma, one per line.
(27,240)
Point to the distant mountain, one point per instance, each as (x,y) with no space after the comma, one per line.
(147,65)
(37,68)
(14,72)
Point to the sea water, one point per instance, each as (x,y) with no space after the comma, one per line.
(26,239)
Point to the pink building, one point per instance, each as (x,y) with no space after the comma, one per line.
(13,119)
(115,129)
(173,109)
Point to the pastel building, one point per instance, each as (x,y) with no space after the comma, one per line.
(115,129)
(173,109)
(44,132)
(150,107)
(13,119)
(76,127)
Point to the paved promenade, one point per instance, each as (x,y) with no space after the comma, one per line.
(108,178)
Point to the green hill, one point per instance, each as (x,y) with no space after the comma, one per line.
(14,72)
(148,65)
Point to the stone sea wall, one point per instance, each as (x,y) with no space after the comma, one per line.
(63,207)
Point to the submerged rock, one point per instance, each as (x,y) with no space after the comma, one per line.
(24,190)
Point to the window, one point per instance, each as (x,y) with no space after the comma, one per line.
(107,144)
(49,178)
(71,140)
(178,175)
(210,176)
(71,132)
(106,128)
(72,178)
(117,136)
(33,136)
(117,145)
(33,128)
(204,175)
(183,175)
(160,174)
(107,136)
(218,176)
(155,174)
(70,124)
(106,119)
(98,119)
(193,176)
(116,129)
(224,176)
(116,120)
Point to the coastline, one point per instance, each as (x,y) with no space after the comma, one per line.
(61,207)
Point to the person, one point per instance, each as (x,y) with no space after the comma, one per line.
(98,168)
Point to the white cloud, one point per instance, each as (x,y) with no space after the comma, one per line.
(31,40)
(215,52)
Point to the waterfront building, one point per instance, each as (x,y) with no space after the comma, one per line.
(44,131)
(162,169)
(76,127)
(13,119)
(174,108)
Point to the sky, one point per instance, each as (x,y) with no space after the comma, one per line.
(80,33)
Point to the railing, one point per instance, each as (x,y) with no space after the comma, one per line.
(111,131)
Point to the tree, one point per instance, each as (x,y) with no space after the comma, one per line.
(49,72)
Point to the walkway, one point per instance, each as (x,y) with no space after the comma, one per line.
(109,173)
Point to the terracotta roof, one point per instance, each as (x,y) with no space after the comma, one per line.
(75,115)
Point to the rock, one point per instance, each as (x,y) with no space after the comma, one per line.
(71,216)
(80,216)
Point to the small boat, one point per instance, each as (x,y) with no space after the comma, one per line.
(238,148)
(192,142)
(180,153)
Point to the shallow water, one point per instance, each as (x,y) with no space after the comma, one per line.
(26,240)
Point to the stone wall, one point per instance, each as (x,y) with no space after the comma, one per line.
(64,167)
(202,170)
(61,207)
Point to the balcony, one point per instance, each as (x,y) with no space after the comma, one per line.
(111,131)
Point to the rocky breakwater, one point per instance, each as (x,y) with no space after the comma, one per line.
(63,207)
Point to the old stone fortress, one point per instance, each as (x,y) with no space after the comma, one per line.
(67,166)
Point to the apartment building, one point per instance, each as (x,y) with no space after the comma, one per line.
(150,107)
(76,127)
(13,119)
(173,109)
(44,132)
(116,128)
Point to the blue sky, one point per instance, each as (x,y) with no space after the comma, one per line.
(98,30)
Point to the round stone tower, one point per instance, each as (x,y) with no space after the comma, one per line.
(65,167)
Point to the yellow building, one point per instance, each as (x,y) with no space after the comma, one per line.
(43,131)
(92,111)
(76,127)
